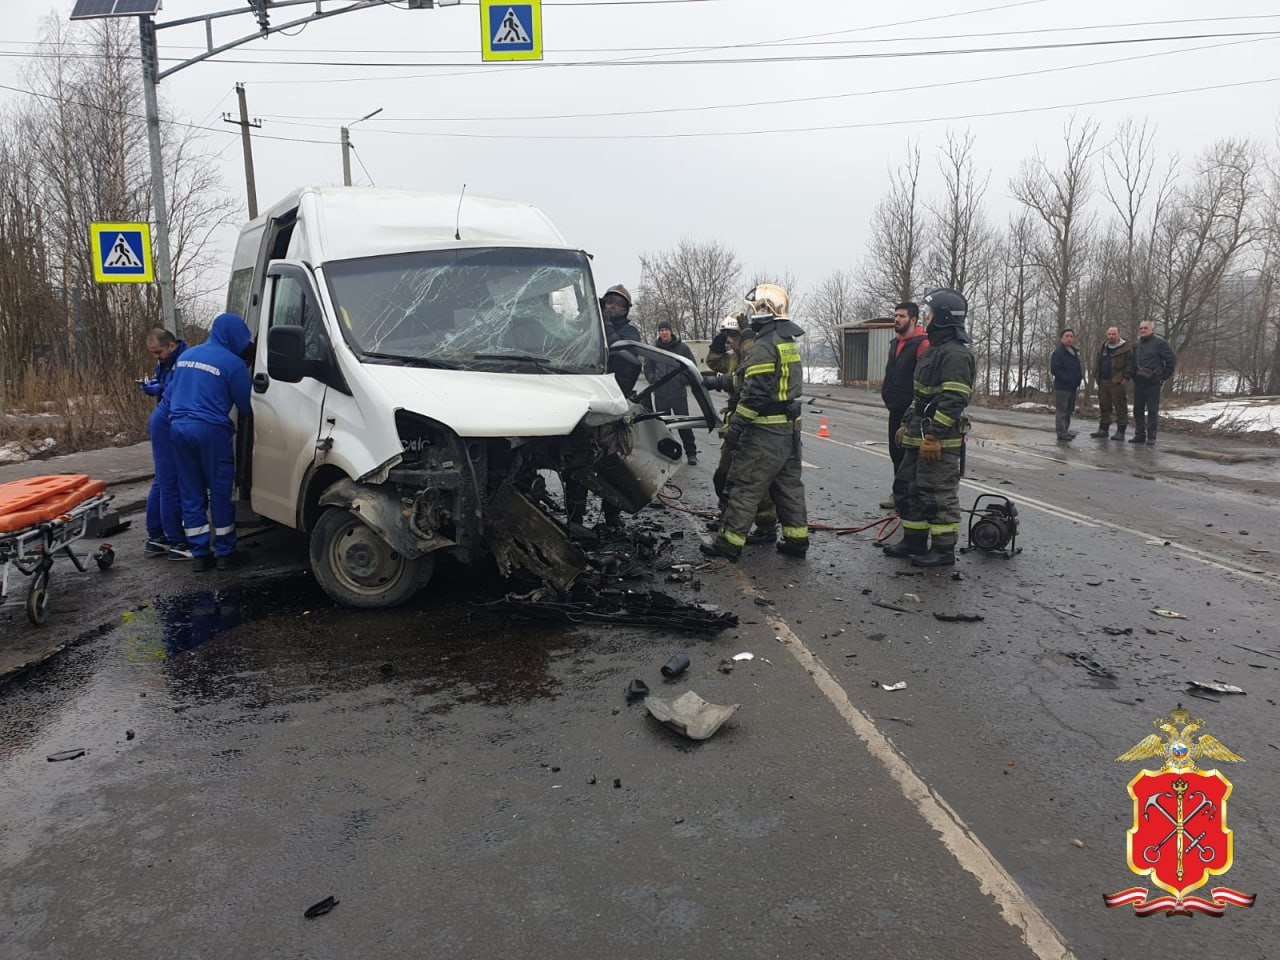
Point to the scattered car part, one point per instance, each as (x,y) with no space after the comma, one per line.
(586,604)
(321,908)
(744,656)
(1092,666)
(1169,614)
(690,715)
(65,755)
(1214,686)
(677,665)
(637,690)
(890,687)
(959,617)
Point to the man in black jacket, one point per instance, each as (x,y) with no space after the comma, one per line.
(1153,364)
(1068,373)
(897,391)
(672,396)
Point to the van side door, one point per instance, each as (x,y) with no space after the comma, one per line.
(287,415)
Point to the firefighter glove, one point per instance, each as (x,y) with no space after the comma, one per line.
(900,435)
(930,449)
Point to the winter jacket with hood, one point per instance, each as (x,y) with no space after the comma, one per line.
(672,394)
(1115,364)
(211,378)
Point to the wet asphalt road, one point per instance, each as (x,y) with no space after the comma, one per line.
(448,774)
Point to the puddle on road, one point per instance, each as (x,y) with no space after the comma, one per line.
(255,648)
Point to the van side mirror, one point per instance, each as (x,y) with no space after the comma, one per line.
(287,353)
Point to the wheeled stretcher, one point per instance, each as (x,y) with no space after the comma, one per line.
(41,518)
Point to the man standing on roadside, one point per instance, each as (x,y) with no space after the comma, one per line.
(673,396)
(1153,364)
(1068,373)
(1114,371)
(897,391)
(164,508)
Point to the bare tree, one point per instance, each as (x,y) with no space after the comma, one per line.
(832,304)
(691,286)
(892,267)
(956,252)
(1059,199)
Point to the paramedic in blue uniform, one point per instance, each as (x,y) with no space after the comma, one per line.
(207,382)
(164,509)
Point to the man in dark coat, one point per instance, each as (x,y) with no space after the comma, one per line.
(1114,371)
(1068,374)
(673,396)
(1153,364)
(899,374)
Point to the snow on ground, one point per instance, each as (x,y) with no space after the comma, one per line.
(1248,414)
(1032,405)
(821,375)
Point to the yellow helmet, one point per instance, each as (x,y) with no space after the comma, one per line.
(768,300)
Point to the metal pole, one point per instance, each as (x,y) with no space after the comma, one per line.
(247,142)
(346,157)
(164,273)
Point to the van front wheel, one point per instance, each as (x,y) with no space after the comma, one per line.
(358,568)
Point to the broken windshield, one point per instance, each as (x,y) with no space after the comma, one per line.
(493,308)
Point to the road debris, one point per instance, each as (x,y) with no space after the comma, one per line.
(1077,843)
(1118,631)
(129,734)
(1092,666)
(637,690)
(634,608)
(677,665)
(910,598)
(1168,614)
(959,617)
(763,602)
(617,783)
(744,656)
(891,606)
(1263,653)
(890,687)
(1214,686)
(321,908)
(65,755)
(690,715)
(907,720)
(1159,543)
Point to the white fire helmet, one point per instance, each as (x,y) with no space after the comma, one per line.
(768,300)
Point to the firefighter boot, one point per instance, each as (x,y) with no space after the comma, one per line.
(914,543)
(939,555)
(721,548)
(1101,432)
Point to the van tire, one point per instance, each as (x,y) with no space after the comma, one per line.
(357,568)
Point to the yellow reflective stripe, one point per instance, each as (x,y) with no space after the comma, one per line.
(746,413)
(936,528)
(737,539)
(951,442)
(910,441)
(921,388)
(757,369)
(942,418)
(788,353)
(915,524)
(955,386)
(772,419)
(796,533)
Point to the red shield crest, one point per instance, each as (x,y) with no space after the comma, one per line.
(1179,836)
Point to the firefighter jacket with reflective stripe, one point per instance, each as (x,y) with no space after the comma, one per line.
(770,378)
(943,387)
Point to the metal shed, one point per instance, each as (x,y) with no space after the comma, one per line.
(866,351)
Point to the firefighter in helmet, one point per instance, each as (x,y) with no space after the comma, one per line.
(926,493)
(763,434)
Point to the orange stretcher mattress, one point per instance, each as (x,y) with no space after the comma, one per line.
(24,503)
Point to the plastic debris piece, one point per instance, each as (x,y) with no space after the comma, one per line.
(677,665)
(1215,686)
(690,715)
(744,656)
(129,734)
(617,783)
(763,602)
(637,690)
(1158,543)
(1118,631)
(891,606)
(321,908)
(910,598)
(65,755)
(1169,614)
(1091,665)
(1077,843)
(890,687)
(959,617)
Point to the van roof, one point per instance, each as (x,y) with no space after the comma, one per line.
(346,222)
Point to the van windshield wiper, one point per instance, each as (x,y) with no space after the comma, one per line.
(403,361)
(545,363)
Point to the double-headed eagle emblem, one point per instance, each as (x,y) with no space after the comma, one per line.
(1176,749)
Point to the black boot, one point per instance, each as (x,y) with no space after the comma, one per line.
(1120,430)
(793,548)
(1138,438)
(939,555)
(721,548)
(914,543)
(1101,432)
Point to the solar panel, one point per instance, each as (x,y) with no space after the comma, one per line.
(92,9)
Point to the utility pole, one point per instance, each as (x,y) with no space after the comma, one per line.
(164,268)
(244,123)
(346,146)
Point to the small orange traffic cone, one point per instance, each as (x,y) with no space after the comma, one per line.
(822,428)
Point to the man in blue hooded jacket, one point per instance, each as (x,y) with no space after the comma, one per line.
(208,381)
(164,508)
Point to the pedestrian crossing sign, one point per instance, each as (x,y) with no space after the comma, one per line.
(121,252)
(510,31)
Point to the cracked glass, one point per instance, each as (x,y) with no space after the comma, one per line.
(505,309)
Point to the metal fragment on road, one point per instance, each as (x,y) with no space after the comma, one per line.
(690,715)
(910,598)
(1168,614)
(891,606)
(890,687)
(637,690)
(959,617)
(1118,631)
(744,656)
(1092,666)
(321,908)
(65,755)
(1214,686)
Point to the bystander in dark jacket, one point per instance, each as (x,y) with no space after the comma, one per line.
(1068,374)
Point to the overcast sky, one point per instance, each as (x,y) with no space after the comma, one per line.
(690,150)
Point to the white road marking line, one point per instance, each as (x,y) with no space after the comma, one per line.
(1200,556)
